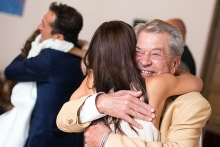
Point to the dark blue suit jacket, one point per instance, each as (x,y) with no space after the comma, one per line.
(58,75)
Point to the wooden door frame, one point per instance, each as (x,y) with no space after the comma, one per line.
(212,50)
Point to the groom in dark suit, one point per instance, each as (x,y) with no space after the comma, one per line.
(57,74)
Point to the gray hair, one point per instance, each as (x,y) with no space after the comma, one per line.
(159,27)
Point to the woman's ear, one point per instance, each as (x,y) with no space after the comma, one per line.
(175,64)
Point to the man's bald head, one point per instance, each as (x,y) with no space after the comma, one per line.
(178,23)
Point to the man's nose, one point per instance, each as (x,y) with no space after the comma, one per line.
(39,26)
(145,60)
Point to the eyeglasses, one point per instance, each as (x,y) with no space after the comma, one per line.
(156,54)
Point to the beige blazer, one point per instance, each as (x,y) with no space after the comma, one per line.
(181,125)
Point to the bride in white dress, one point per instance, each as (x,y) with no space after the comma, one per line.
(14,124)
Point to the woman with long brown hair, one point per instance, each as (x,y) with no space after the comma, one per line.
(111,65)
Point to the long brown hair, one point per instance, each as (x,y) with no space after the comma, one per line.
(111,57)
(27,46)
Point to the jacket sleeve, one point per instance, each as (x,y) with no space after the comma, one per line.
(184,121)
(67,118)
(32,69)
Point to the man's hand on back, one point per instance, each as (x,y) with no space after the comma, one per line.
(124,104)
(93,134)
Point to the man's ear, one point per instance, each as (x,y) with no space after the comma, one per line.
(58,36)
(175,64)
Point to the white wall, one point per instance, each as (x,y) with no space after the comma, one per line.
(197,15)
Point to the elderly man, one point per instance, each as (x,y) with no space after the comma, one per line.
(182,121)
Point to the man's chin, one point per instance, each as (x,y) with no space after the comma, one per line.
(147,75)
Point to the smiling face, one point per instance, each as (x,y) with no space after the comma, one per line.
(153,55)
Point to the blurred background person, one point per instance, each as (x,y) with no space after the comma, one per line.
(56,74)
(187,61)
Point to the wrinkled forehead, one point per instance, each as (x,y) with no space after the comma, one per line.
(153,41)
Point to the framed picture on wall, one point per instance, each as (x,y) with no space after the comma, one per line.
(14,7)
(136,21)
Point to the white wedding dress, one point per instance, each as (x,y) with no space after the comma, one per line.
(149,132)
(14,124)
